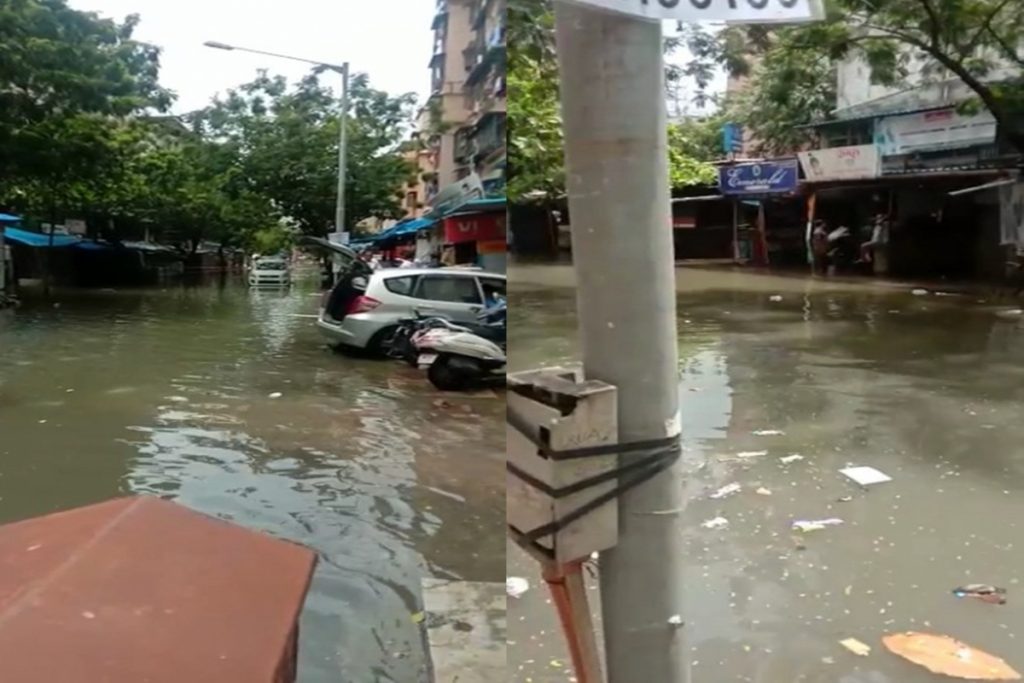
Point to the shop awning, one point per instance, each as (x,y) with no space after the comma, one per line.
(38,239)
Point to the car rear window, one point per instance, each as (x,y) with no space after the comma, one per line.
(400,285)
(462,290)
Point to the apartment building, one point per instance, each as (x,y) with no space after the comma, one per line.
(463,122)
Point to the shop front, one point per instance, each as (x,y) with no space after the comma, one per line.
(767,210)
(477,237)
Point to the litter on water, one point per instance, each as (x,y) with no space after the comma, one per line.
(763,492)
(983,592)
(769,432)
(806,525)
(775,297)
(726,490)
(919,292)
(855,646)
(516,586)
(751,454)
(276,394)
(786,459)
(715,523)
(949,657)
(865,476)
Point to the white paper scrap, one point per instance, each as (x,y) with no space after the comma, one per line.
(726,490)
(716,523)
(865,476)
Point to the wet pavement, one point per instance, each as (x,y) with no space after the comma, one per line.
(928,389)
(172,393)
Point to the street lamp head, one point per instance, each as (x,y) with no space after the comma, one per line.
(218,46)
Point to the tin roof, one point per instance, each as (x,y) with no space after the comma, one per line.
(142,589)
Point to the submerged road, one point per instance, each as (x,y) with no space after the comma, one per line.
(227,401)
(929,389)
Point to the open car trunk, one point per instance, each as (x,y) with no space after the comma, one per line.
(351,281)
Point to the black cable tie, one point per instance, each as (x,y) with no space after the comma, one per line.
(663,454)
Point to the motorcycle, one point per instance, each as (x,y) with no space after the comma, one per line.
(459,357)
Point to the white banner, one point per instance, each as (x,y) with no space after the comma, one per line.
(840,163)
(932,131)
(729,11)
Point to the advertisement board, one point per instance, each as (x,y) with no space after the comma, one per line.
(840,163)
(765,177)
(933,130)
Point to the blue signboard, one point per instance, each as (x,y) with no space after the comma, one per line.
(766,177)
(732,138)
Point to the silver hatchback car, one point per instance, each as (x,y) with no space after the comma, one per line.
(362,310)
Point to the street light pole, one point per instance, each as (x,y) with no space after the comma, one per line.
(339,211)
(343,69)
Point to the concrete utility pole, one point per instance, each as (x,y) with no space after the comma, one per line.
(613,108)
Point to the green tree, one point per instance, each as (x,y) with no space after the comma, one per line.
(535,145)
(974,41)
(287,146)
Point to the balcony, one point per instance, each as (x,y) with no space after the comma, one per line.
(441,17)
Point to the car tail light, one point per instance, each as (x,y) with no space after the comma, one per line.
(362,304)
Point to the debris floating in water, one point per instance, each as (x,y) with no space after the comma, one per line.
(726,490)
(919,292)
(769,432)
(751,454)
(775,297)
(763,492)
(786,459)
(516,586)
(949,657)
(865,476)
(675,620)
(983,592)
(855,646)
(806,525)
(276,394)
(715,523)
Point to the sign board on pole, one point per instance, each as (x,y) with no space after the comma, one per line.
(729,11)
(732,138)
(342,238)
(840,163)
(766,177)
(930,131)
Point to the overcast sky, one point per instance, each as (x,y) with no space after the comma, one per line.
(389,39)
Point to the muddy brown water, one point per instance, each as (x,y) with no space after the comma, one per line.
(168,392)
(928,389)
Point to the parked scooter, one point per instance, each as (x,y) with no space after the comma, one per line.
(461,357)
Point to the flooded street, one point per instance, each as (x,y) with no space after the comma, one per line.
(175,393)
(927,389)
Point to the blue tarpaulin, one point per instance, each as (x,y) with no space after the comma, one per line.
(39,239)
(9,218)
(406,227)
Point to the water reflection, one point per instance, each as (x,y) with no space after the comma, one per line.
(172,393)
(924,388)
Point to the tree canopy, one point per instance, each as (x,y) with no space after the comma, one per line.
(535,146)
(974,41)
(84,133)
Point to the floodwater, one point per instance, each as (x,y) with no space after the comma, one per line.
(168,392)
(928,389)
